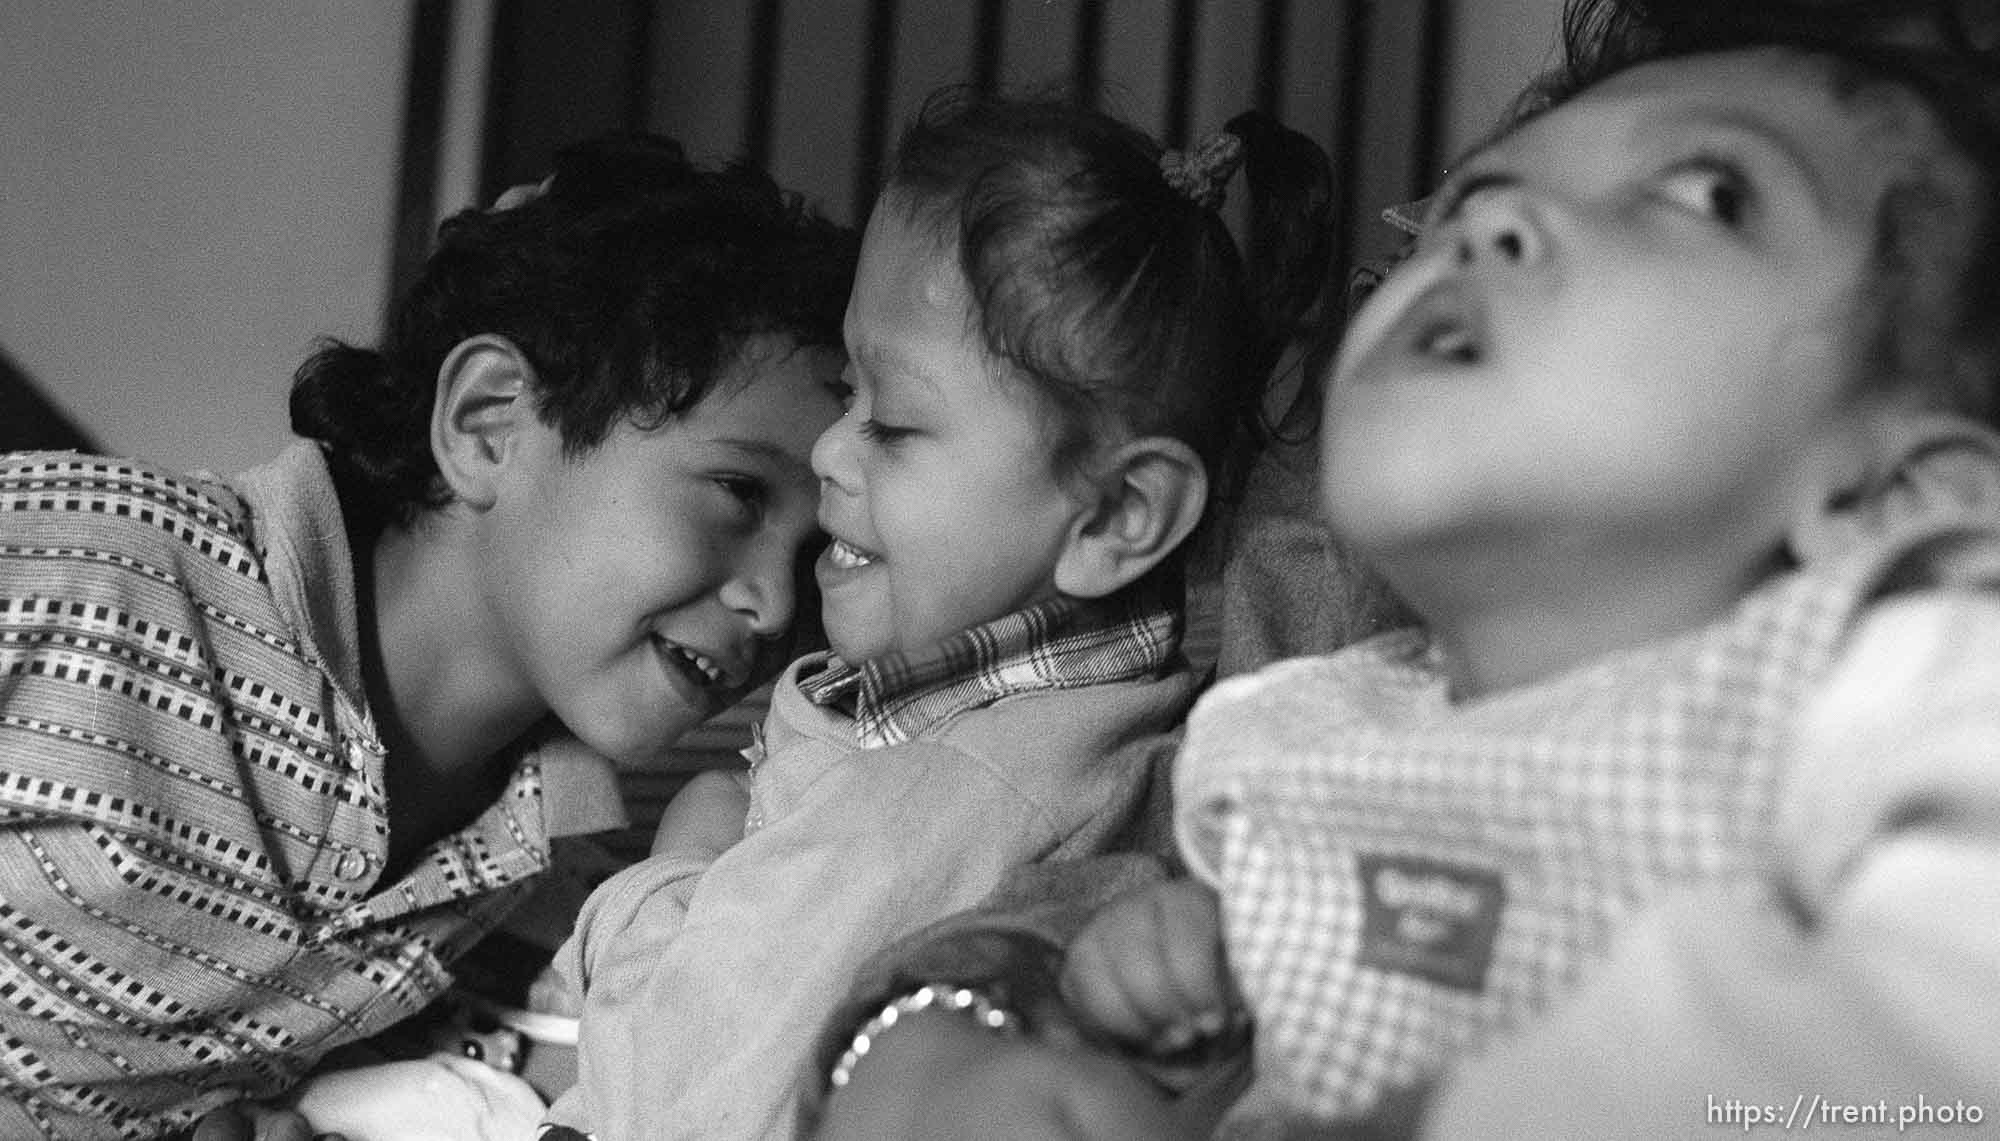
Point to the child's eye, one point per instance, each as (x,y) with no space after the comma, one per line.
(876,432)
(1709,187)
(749,492)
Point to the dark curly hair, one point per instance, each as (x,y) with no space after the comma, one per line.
(1931,312)
(629,283)
(1123,301)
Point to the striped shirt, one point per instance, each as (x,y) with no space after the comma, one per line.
(1064,643)
(193,822)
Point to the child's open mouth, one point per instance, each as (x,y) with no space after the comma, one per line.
(1449,341)
(1446,326)
(846,556)
(701,671)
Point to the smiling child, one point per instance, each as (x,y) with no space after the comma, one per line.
(1053,356)
(273,749)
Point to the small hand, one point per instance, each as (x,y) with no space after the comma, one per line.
(1149,971)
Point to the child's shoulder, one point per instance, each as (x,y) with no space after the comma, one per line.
(1898,737)
(120,494)
(1952,554)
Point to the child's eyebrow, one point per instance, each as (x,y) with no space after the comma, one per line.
(887,359)
(1761,134)
(764,450)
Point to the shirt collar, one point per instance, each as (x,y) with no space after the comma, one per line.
(297,525)
(1064,643)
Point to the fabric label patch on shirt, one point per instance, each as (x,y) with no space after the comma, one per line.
(1429,918)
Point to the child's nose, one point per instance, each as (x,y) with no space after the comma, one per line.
(1499,227)
(765,592)
(831,455)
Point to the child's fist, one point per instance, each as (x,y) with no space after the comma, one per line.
(1149,971)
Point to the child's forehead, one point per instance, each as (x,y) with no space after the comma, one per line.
(914,242)
(913,309)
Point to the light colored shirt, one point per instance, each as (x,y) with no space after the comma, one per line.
(1851,987)
(705,984)
(1403,875)
(193,822)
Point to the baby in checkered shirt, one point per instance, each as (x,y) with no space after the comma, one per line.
(1677,427)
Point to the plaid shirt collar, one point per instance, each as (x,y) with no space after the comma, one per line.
(1063,643)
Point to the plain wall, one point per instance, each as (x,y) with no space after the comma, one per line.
(1497,46)
(190,193)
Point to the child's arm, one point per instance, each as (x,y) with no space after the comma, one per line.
(704,1008)
(705,818)
(1716,1013)
(1148,970)
(939,1076)
(951,1078)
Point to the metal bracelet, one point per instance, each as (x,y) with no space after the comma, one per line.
(930,996)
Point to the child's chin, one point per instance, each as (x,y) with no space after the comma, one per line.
(854,650)
(643,744)
(851,640)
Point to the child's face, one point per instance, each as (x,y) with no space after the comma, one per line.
(937,485)
(631,585)
(1629,326)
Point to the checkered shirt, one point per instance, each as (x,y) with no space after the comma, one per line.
(193,820)
(1064,643)
(1402,875)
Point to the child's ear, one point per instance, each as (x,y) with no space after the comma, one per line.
(1930,467)
(1146,496)
(485,389)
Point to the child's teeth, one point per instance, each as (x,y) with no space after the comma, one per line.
(846,557)
(708,669)
(1450,342)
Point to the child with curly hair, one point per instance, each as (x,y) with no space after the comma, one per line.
(273,748)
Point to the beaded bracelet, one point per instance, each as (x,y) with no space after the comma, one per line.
(940,996)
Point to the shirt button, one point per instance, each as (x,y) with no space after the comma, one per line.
(352,865)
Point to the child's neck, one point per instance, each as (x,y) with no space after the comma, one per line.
(1502,627)
(446,732)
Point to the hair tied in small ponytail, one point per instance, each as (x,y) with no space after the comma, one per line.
(1200,174)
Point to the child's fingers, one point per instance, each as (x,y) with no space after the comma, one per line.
(1099,985)
(1189,921)
(1192,967)
(1148,968)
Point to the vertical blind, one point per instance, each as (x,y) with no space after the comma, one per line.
(816,91)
